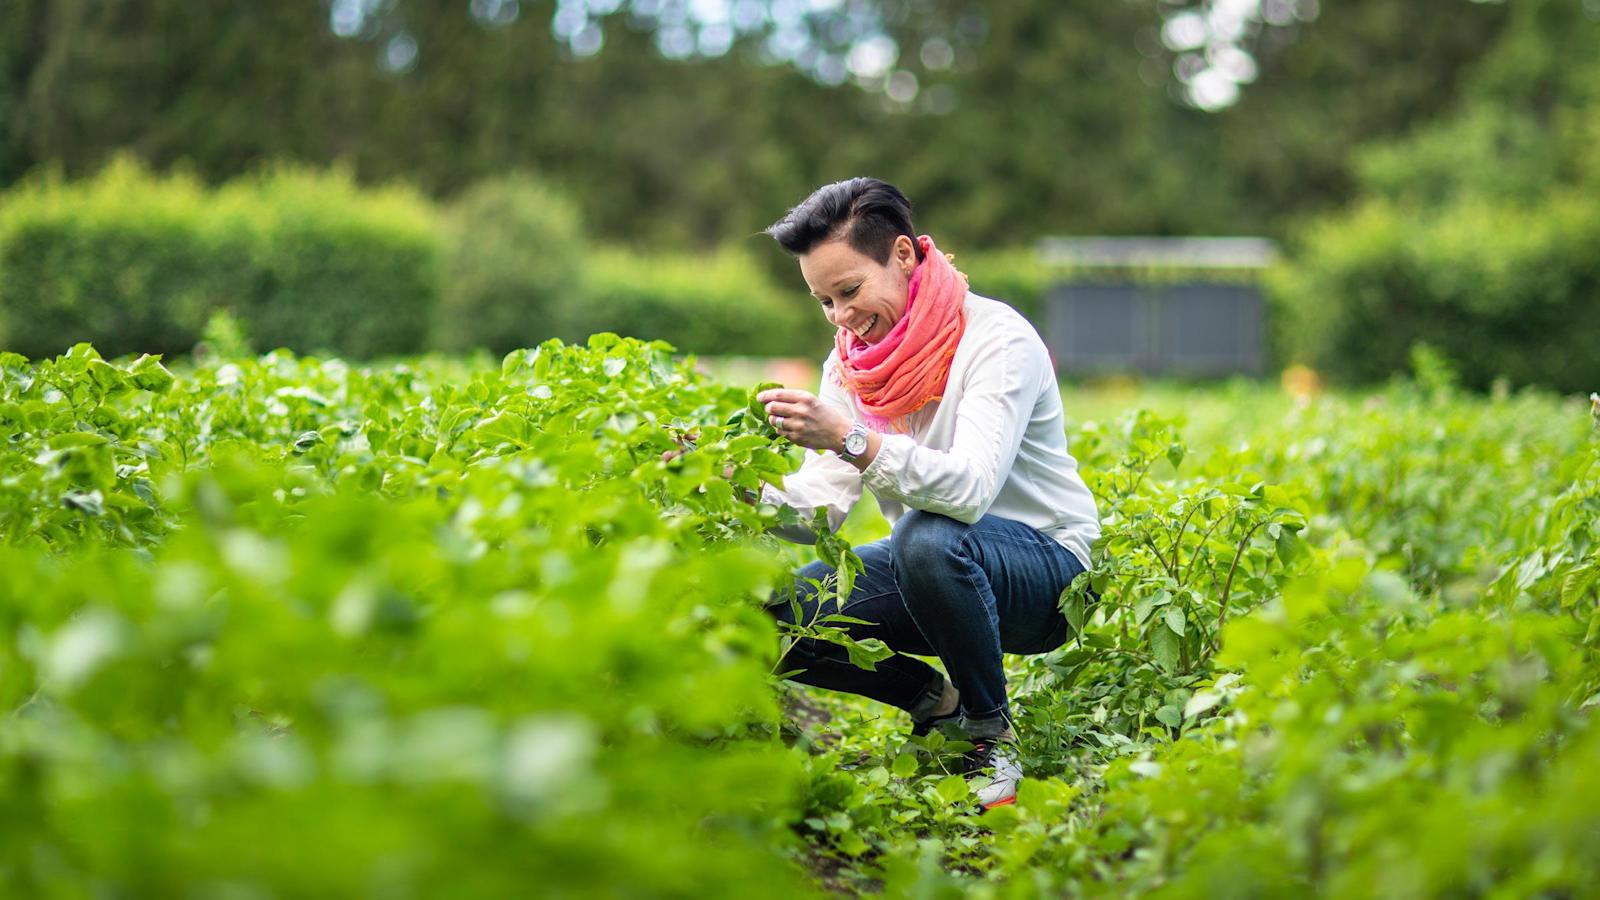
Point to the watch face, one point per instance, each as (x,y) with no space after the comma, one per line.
(855,443)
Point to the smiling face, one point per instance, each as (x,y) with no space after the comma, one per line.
(857,292)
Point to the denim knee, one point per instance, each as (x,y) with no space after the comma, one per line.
(924,541)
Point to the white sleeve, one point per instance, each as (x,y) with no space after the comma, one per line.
(994,406)
(823,481)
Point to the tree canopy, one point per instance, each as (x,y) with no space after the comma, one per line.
(686,124)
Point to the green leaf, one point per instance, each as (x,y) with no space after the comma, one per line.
(1169,716)
(828,551)
(756,407)
(107,377)
(150,375)
(1072,608)
(513,362)
(1201,702)
(1142,609)
(1164,647)
(905,765)
(76,439)
(849,567)
(866,654)
(952,788)
(1577,583)
(1289,547)
(1175,620)
(501,428)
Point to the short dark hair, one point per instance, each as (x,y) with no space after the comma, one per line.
(867,213)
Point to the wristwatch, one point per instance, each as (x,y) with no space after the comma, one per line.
(855,442)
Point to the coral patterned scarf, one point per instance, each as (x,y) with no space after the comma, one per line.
(903,372)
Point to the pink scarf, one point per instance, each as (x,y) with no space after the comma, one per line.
(907,369)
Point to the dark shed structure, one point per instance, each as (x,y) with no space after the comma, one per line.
(1160,306)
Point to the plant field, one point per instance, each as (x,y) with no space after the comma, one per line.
(285,626)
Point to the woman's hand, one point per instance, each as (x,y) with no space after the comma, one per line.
(805,420)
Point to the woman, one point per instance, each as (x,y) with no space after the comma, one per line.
(945,405)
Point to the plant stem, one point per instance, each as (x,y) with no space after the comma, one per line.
(1177,542)
(1222,617)
(1219,520)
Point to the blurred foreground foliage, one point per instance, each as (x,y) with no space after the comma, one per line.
(285,624)
(290,625)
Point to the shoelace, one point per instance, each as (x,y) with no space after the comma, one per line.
(983,753)
(981,756)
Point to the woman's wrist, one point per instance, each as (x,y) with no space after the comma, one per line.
(865,458)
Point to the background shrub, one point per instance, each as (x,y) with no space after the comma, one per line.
(715,303)
(515,249)
(120,260)
(1501,289)
(1477,233)
(135,262)
(331,265)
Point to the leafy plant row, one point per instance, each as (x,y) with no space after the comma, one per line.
(290,625)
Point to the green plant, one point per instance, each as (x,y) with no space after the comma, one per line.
(461,626)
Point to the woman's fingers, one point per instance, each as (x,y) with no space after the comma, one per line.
(789,410)
(782,395)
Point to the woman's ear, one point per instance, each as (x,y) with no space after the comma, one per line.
(905,253)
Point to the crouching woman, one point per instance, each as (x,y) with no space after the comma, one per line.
(944,404)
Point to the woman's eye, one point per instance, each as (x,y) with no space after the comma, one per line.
(851,292)
(827,304)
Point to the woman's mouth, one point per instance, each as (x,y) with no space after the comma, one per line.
(867,328)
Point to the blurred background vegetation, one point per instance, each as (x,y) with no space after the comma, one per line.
(373,177)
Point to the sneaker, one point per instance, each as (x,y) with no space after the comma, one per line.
(993,771)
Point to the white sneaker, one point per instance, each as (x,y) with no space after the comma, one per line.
(993,771)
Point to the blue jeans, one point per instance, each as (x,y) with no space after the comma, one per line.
(939,587)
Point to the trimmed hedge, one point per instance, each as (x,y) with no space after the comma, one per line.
(135,262)
(1502,290)
(716,303)
(515,251)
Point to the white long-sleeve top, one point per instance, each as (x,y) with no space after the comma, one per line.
(996,443)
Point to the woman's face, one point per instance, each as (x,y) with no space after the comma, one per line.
(855,291)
